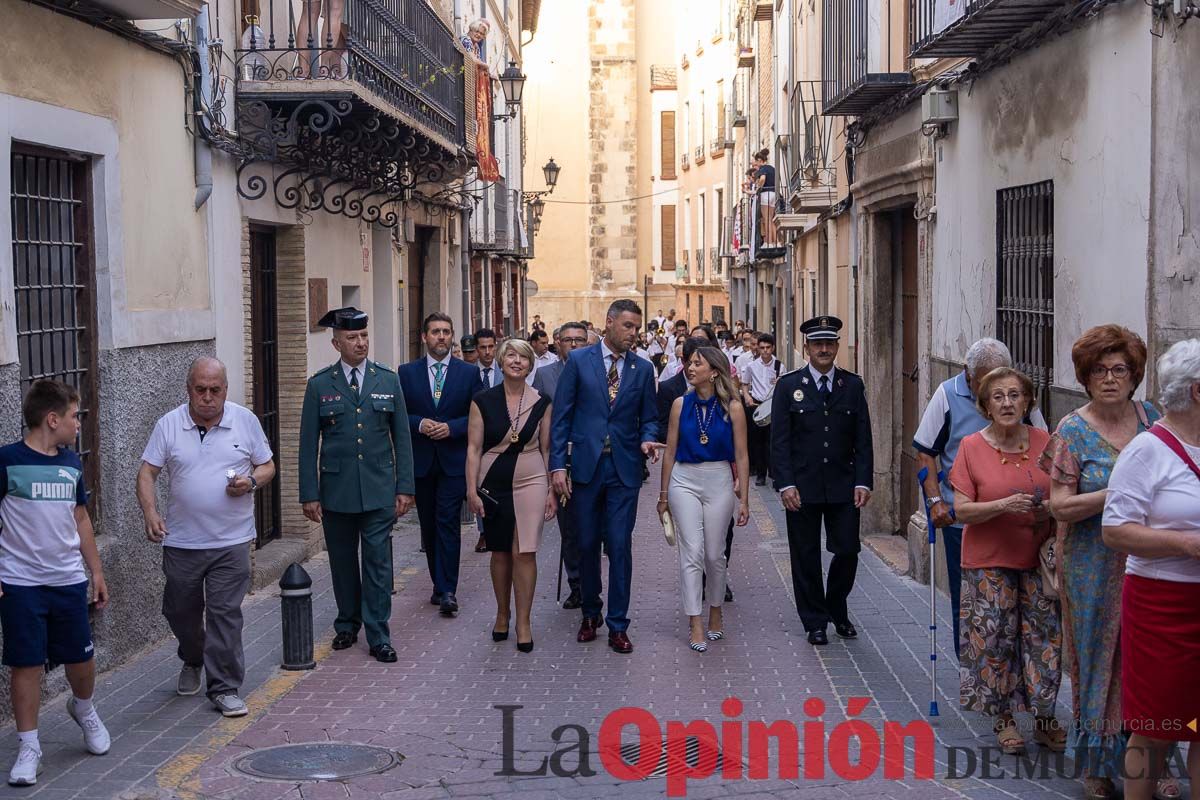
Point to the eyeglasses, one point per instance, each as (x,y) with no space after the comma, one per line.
(1119,371)
(573,339)
(1012,397)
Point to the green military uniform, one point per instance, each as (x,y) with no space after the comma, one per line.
(355,457)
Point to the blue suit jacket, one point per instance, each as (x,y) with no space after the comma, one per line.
(583,417)
(461,384)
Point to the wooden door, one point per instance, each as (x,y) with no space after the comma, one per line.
(264,343)
(415,301)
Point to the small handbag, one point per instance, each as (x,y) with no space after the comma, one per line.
(668,527)
(1048,566)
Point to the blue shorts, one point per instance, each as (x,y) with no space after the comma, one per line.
(45,624)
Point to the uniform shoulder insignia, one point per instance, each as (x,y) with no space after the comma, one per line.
(790,372)
(383,367)
(323,370)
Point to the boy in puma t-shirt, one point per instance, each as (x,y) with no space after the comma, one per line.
(45,538)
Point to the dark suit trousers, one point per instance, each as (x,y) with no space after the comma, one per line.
(364,601)
(439,503)
(758,442)
(816,604)
(605,510)
(570,544)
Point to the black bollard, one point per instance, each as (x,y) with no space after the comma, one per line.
(295,601)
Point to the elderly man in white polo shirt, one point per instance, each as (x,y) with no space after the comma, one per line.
(216,455)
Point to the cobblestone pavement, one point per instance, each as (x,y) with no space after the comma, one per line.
(437,705)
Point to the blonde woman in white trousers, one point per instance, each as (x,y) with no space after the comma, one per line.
(706,443)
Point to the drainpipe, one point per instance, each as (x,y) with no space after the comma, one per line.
(465,258)
(459,28)
(202,153)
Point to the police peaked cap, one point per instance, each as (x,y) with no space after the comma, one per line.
(819,328)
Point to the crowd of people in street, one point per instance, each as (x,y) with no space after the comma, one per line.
(1070,551)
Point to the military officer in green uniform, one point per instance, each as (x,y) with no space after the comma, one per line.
(356,478)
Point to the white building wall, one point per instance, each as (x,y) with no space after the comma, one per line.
(1075,111)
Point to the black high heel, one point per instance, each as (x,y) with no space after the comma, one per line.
(525,647)
(499,636)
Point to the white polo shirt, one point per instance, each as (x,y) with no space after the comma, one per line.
(199,514)
(761,377)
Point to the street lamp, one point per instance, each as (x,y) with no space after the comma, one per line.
(550,171)
(512,81)
(538,207)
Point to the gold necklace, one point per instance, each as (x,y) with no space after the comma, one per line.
(704,420)
(514,436)
(1004,458)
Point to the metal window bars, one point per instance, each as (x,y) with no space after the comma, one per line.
(1025,280)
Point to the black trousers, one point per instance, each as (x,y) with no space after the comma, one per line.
(758,442)
(816,603)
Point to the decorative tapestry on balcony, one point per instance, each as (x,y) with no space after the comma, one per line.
(489,167)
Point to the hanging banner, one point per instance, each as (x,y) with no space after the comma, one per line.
(489,168)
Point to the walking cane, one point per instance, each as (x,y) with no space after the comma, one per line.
(562,508)
(921,476)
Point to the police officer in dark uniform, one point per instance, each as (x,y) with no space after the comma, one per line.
(822,461)
(356,478)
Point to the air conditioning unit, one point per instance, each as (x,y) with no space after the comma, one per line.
(939,106)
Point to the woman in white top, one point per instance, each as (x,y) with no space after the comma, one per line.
(1152,512)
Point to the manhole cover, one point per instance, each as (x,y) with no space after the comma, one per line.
(316,762)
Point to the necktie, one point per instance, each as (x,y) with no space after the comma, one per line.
(487,376)
(437,383)
(614,381)
(354,381)
(824,390)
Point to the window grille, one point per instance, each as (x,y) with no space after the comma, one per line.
(54,286)
(1025,280)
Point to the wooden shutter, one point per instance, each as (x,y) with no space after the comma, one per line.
(668,237)
(667,126)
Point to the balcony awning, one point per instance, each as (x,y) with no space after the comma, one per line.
(867,92)
(977,28)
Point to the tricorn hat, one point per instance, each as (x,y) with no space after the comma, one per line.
(344,319)
(468,344)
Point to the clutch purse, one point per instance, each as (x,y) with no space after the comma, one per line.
(668,527)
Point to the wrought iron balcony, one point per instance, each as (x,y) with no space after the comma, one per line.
(700,265)
(357,125)
(699,155)
(714,261)
(850,88)
(398,56)
(684,164)
(970,28)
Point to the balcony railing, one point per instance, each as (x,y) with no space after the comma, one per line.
(718,145)
(699,154)
(684,164)
(700,266)
(970,28)
(850,88)
(399,51)
(715,262)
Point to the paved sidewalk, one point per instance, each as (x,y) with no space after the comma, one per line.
(437,705)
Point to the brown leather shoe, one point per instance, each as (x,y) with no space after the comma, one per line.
(620,643)
(587,630)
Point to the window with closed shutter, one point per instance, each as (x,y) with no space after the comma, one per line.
(667,126)
(668,237)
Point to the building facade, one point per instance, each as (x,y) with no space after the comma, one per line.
(595,102)
(210,181)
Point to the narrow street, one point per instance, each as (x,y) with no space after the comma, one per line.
(436,707)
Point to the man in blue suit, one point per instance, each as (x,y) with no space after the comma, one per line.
(438,390)
(604,411)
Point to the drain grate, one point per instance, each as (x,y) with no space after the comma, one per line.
(631,754)
(318,761)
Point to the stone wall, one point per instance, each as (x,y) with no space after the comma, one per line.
(612,143)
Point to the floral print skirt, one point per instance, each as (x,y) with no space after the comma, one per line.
(1010,641)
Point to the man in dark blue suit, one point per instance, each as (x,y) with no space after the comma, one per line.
(438,390)
(604,410)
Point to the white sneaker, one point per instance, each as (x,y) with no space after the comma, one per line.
(27,766)
(230,705)
(95,735)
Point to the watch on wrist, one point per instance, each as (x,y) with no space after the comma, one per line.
(253,484)
(930,502)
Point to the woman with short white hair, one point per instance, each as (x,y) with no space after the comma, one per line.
(1152,513)
(508,447)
